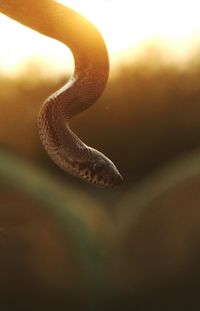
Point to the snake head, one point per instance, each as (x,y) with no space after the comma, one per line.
(101,171)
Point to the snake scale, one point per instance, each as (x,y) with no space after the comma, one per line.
(59,22)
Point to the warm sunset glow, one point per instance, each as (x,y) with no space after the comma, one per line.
(124,25)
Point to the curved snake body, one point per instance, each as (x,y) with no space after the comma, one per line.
(81,91)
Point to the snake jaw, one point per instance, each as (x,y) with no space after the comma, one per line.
(101,171)
(97,169)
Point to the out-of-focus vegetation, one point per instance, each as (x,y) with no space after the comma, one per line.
(146,233)
(148,113)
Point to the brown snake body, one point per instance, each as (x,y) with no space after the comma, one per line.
(81,91)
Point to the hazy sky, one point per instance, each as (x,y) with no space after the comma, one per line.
(125,25)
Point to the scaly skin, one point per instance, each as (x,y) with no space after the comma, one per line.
(81,91)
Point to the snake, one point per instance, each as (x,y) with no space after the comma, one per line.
(91,71)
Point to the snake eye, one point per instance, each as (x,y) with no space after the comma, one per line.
(97,166)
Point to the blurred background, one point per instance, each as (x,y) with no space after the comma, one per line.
(146,253)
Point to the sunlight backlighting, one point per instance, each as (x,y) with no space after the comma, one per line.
(124,24)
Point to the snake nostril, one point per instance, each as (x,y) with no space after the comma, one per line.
(118,180)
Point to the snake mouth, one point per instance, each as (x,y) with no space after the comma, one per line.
(99,171)
(96,180)
(107,182)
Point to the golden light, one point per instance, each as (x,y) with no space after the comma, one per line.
(124,25)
